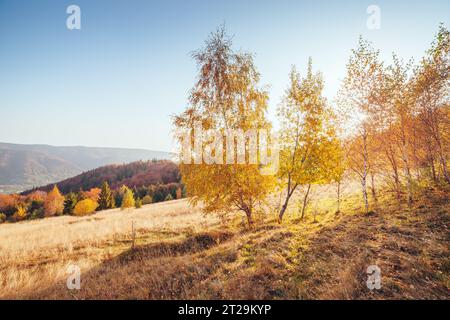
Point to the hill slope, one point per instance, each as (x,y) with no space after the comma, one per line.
(139,173)
(182,254)
(25,166)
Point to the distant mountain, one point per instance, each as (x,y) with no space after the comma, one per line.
(26,166)
(135,174)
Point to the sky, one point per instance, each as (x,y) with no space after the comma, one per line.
(116,81)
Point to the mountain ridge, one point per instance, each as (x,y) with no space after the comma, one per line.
(135,174)
(25,166)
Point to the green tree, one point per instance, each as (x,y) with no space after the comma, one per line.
(106,198)
(138,203)
(71,200)
(168,198)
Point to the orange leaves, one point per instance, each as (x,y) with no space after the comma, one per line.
(54,203)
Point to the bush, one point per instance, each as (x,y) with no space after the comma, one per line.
(169,197)
(138,203)
(128,199)
(85,207)
(20,214)
(37,214)
(179,193)
(2,217)
(147,200)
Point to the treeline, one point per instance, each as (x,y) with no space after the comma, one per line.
(139,173)
(389,127)
(39,204)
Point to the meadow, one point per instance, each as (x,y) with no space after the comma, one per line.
(176,252)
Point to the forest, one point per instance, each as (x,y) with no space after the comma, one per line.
(122,186)
(388,127)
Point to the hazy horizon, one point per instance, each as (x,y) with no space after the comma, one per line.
(78,146)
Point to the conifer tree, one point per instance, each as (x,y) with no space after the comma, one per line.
(106,199)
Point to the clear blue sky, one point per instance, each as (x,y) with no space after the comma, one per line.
(116,81)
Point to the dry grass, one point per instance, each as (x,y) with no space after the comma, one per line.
(34,254)
(182,255)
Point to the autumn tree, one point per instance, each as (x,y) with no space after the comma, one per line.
(179,194)
(85,207)
(106,199)
(8,203)
(147,200)
(225,97)
(21,213)
(128,198)
(338,169)
(93,194)
(54,203)
(396,137)
(38,196)
(431,91)
(359,103)
(307,137)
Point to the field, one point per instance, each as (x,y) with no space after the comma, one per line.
(177,253)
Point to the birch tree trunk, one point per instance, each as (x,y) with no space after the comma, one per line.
(365,170)
(305,201)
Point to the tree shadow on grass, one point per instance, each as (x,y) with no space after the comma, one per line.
(166,270)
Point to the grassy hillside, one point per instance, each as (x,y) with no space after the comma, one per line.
(181,254)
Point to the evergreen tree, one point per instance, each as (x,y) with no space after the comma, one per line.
(70,202)
(106,199)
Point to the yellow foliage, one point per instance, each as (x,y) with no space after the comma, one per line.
(226,97)
(21,213)
(85,207)
(147,200)
(128,199)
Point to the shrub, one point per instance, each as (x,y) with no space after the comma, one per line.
(2,217)
(128,199)
(8,203)
(37,214)
(147,200)
(138,203)
(179,193)
(169,197)
(85,207)
(20,214)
